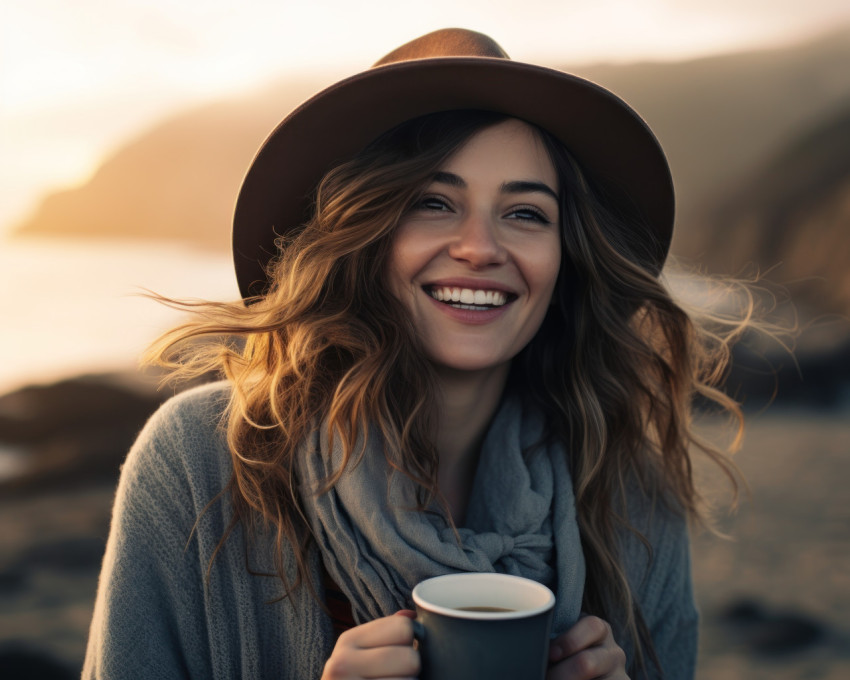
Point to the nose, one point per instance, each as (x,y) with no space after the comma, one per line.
(477,242)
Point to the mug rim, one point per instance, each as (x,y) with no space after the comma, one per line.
(466,614)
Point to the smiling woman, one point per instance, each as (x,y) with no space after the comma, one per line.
(453,355)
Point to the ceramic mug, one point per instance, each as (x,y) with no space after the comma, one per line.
(483,627)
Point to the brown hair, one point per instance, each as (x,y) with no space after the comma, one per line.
(615,366)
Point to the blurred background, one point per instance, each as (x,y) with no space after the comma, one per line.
(125,130)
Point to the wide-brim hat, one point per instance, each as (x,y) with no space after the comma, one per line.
(445,70)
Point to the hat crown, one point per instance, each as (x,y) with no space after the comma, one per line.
(446,42)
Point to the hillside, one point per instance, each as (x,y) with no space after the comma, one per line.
(720,118)
(794,211)
(178,180)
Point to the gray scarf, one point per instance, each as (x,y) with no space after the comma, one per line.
(520,520)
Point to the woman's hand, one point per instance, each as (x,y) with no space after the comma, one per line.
(586,651)
(382,648)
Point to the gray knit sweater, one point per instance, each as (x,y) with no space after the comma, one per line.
(158,615)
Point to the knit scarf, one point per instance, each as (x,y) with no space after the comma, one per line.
(520,520)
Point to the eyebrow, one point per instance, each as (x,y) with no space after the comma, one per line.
(515,187)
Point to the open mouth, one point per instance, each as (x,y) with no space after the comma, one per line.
(469,298)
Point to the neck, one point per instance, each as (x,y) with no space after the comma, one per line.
(466,405)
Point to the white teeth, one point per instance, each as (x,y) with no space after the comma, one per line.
(468,296)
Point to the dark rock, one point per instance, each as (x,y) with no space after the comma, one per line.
(771,632)
(19,661)
(12,579)
(743,612)
(76,432)
(33,415)
(74,553)
(815,380)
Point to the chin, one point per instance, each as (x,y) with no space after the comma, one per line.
(469,364)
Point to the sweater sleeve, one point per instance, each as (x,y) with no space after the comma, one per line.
(149,619)
(663,585)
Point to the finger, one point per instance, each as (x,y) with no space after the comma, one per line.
(409,613)
(385,662)
(587,632)
(400,662)
(589,664)
(383,632)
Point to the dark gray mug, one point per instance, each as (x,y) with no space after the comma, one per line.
(483,627)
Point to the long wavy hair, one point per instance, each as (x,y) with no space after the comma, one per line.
(615,367)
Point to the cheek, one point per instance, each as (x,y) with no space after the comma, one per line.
(403,265)
(410,253)
(546,267)
(397,265)
(395,280)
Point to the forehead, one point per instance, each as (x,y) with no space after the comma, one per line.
(510,150)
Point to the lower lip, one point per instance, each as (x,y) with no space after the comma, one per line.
(470,316)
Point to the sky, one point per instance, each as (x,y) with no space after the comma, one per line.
(77,78)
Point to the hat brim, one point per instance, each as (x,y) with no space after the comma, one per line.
(607,138)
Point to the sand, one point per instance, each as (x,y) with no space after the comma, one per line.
(775,598)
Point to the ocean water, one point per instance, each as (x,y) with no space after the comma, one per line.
(73,306)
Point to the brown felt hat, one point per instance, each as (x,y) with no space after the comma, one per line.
(445,70)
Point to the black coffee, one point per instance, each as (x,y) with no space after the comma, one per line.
(484,609)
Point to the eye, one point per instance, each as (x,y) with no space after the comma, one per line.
(432,203)
(527,213)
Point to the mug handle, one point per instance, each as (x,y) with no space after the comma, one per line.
(418,634)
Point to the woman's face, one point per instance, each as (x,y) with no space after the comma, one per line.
(476,259)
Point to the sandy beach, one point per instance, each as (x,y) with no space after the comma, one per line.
(775,596)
